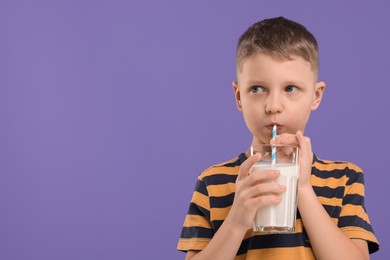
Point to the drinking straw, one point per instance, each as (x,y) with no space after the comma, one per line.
(274,130)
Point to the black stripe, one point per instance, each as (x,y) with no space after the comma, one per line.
(349,221)
(372,247)
(241,158)
(355,177)
(216,179)
(234,164)
(326,163)
(216,224)
(333,211)
(198,232)
(352,175)
(200,187)
(222,202)
(329,192)
(195,209)
(337,174)
(354,199)
(298,214)
(273,241)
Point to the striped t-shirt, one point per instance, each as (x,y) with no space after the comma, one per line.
(339,187)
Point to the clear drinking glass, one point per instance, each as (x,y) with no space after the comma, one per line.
(278,218)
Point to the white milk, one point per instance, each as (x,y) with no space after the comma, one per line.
(280,217)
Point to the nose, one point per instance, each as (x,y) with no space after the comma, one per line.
(273,104)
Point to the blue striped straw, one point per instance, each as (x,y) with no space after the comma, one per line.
(274,131)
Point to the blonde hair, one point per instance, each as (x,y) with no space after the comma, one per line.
(278,37)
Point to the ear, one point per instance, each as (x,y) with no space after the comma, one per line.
(318,93)
(237,95)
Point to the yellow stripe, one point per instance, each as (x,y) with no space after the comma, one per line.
(360,233)
(196,221)
(328,182)
(356,188)
(220,169)
(353,210)
(250,233)
(330,201)
(186,244)
(219,213)
(221,189)
(284,253)
(201,200)
(330,166)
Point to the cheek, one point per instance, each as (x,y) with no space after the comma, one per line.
(304,114)
(250,110)
(252,116)
(248,116)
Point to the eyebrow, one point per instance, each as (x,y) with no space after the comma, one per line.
(286,83)
(256,82)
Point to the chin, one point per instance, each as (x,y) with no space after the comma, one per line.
(261,139)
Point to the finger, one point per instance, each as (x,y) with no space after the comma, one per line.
(266,188)
(263,201)
(259,176)
(262,175)
(285,138)
(305,146)
(247,165)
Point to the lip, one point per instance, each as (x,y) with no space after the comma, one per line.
(279,127)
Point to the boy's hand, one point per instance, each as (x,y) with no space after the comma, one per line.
(254,189)
(305,157)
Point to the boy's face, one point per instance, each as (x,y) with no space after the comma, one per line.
(276,91)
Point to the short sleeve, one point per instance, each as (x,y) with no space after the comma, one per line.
(197,230)
(354,220)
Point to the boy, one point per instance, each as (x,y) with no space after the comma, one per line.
(277,69)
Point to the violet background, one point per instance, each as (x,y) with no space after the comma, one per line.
(110,109)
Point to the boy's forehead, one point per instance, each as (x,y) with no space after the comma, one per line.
(253,64)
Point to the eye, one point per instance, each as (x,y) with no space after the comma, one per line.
(291,88)
(257,89)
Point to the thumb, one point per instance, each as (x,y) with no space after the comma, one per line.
(247,165)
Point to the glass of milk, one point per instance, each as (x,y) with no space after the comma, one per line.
(278,218)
